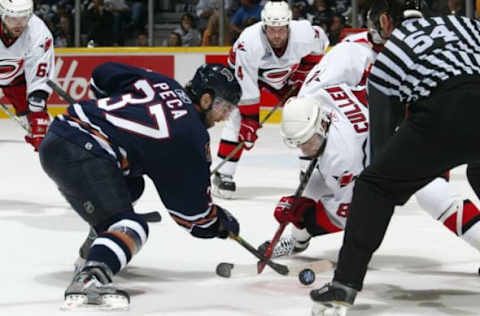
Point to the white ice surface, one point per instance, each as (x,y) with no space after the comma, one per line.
(420,269)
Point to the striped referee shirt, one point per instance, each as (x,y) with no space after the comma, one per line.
(422,53)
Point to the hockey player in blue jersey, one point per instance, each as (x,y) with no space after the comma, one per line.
(142,123)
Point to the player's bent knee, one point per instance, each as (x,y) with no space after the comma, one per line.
(120,241)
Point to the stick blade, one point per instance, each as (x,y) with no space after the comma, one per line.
(260,266)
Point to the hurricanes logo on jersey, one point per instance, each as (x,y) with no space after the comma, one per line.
(275,77)
(345,179)
(9,68)
(47,44)
(241,47)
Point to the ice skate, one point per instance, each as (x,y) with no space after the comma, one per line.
(92,289)
(333,299)
(223,186)
(286,246)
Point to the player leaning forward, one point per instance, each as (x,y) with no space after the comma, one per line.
(438,76)
(27,62)
(337,86)
(275,54)
(143,123)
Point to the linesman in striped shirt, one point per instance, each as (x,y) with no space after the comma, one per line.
(433,65)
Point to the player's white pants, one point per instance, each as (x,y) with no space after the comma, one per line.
(228,142)
(436,197)
(442,203)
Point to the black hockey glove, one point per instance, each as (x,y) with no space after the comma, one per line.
(136,186)
(226,223)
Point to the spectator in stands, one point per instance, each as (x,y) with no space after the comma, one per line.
(174,39)
(211,35)
(190,35)
(63,34)
(97,23)
(205,9)
(320,14)
(43,9)
(343,7)
(299,10)
(456,7)
(141,39)
(138,19)
(248,8)
(335,28)
(121,17)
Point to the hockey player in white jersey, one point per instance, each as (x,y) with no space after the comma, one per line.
(337,87)
(26,63)
(273,54)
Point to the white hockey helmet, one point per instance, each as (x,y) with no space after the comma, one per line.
(16,8)
(276,13)
(303,117)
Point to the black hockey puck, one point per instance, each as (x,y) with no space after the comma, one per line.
(224,269)
(306,276)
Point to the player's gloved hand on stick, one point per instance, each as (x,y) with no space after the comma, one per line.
(227,223)
(38,128)
(290,211)
(297,78)
(248,131)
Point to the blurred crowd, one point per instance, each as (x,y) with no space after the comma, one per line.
(123,22)
(103,22)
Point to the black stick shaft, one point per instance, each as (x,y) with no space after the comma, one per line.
(60,91)
(301,187)
(279,268)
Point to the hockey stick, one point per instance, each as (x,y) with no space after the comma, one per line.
(294,268)
(269,114)
(55,87)
(151,217)
(281,228)
(280,268)
(20,122)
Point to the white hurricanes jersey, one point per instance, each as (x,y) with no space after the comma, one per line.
(348,62)
(30,56)
(254,60)
(346,151)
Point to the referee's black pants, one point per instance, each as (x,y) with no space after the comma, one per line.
(441,132)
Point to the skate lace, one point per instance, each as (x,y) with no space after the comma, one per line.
(284,247)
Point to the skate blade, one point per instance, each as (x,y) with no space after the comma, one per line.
(222,194)
(332,309)
(106,302)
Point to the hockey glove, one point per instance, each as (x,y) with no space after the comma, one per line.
(226,223)
(290,211)
(38,128)
(296,79)
(248,132)
(306,64)
(136,186)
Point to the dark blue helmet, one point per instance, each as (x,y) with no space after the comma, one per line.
(216,79)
